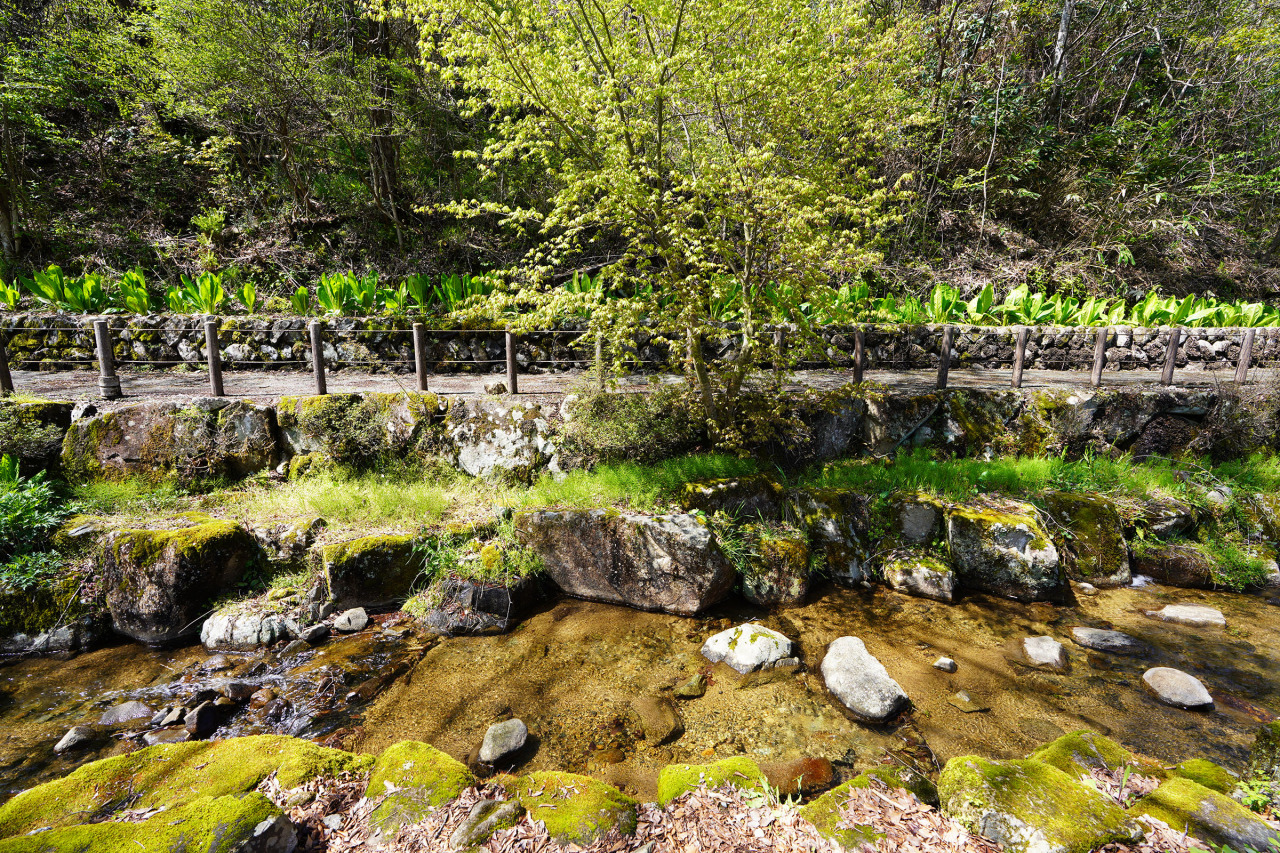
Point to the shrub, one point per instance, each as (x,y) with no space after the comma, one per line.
(642,428)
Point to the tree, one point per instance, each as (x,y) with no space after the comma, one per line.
(721,147)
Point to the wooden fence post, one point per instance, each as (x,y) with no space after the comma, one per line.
(512,387)
(6,379)
(1242,365)
(1171,358)
(214,355)
(1099,356)
(420,354)
(859,354)
(317,355)
(944,359)
(108,382)
(1020,335)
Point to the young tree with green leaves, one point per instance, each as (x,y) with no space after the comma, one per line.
(722,144)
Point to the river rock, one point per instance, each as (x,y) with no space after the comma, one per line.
(945,665)
(204,719)
(1112,642)
(1195,615)
(919,573)
(751,497)
(124,712)
(159,582)
(372,571)
(836,521)
(667,563)
(472,607)
(168,734)
(1030,807)
(503,739)
(1177,688)
(1042,653)
(350,621)
(1208,815)
(692,688)
(1005,552)
(1182,564)
(659,719)
(499,437)
(747,648)
(777,567)
(75,736)
(239,630)
(861,682)
(1096,551)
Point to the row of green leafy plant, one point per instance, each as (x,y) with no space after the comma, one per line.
(345,294)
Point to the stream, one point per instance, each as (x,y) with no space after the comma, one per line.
(572,669)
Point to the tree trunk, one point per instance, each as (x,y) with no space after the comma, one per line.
(384,154)
(1060,51)
(703,379)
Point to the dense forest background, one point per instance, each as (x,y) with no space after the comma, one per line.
(1072,145)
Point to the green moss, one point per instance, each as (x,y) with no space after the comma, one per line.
(897,776)
(207,824)
(677,779)
(372,570)
(1204,772)
(414,778)
(204,534)
(576,809)
(1028,805)
(170,775)
(1206,814)
(824,814)
(46,606)
(82,444)
(1078,752)
(1096,550)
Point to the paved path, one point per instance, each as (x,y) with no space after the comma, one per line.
(268,386)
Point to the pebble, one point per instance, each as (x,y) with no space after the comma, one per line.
(747,648)
(966,703)
(503,739)
(1115,642)
(75,736)
(945,664)
(1177,688)
(350,621)
(202,720)
(125,711)
(1086,588)
(1195,615)
(1044,653)
(295,647)
(692,688)
(217,663)
(236,691)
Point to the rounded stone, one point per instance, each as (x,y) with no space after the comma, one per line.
(747,648)
(503,739)
(861,682)
(1177,688)
(1195,615)
(350,621)
(1113,642)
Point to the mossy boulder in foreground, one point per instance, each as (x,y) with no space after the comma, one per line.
(1206,814)
(1004,551)
(375,571)
(576,809)
(824,812)
(169,776)
(1079,752)
(414,778)
(677,779)
(159,582)
(1031,807)
(229,824)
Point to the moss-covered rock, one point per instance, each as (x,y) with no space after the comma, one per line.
(1079,752)
(750,498)
(1094,548)
(1204,772)
(1206,814)
(32,432)
(172,775)
(777,572)
(159,582)
(1004,551)
(824,812)
(837,521)
(1030,806)
(1183,564)
(374,571)
(919,572)
(576,809)
(917,519)
(414,778)
(677,779)
(50,605)
(206,824)
(1264,759)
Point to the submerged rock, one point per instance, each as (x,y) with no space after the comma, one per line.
(861,682)
(919,573)
(1041,653)
(1005,552)
(747,648)
(1031,807)
(659,719)
(1177,688)
(667,563)
(159,582)
(1195,615)
(124,712)
(237,629)
(502,740)
(1206,814)
(692,688)
(1113,642)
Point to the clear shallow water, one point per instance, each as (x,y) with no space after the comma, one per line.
(572,670)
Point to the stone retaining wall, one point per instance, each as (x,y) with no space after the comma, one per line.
(65,341)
